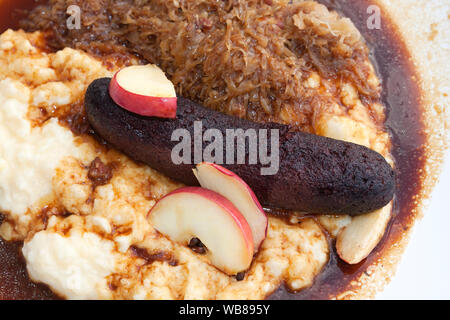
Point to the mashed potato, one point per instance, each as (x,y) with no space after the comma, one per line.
(28,156)
(92,240)
(74,265)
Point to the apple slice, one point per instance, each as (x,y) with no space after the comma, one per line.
(218,179)
(357,240)
(144,90)
(194,212)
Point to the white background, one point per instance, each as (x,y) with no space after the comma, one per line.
(424,271)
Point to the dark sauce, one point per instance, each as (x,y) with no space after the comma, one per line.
(14,281)
(12,11)
(401,96)
(152,257)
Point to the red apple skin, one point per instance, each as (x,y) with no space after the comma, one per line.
(250,191)
(232,174)
(143,105)
(226,204)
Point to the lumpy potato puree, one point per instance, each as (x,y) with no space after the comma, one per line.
(91,240)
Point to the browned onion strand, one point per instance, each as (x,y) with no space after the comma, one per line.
(246,58)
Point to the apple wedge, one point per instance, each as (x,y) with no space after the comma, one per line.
(357,240)
(194,212)
(144,90)
(218,179)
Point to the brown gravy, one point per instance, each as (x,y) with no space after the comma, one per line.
(12,11)
(401,96)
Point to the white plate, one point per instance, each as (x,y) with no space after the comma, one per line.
(424,271)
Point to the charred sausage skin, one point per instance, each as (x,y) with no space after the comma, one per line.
(316,174)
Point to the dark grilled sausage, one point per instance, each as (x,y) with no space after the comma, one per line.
(316,174)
